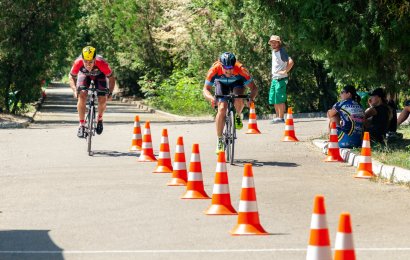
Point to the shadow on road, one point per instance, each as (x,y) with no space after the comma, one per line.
(104,153)
(28,244)
(256,163)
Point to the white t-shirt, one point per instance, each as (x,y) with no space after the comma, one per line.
(279,62)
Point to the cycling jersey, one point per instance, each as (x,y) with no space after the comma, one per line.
(351,123)
(240,76)
(100,67)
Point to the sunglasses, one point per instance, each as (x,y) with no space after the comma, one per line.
(227,67)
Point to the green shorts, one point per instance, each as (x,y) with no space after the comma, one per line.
(277,92)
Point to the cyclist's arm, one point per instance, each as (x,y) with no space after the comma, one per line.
(111,83)
(73,81)
(254,91)
(206,91)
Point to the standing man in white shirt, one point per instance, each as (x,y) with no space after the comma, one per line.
(281,65)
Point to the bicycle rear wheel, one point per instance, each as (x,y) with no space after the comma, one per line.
(90,129)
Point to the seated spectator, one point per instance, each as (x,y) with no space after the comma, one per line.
(404,114)
(349,116)
(377,116)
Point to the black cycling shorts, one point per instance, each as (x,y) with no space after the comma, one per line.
(223,89)
(100,81)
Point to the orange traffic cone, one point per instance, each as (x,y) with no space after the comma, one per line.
(164,159)
(195,187)
(333,152)
(136,136)
(221,199)
(179,174)
(252,124)
(289,128)
(344,249)
(248,218)
(364,169)
(147,154)
(319,242)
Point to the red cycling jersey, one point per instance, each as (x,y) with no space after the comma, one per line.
(100,66)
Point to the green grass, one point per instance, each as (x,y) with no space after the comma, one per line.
(396,153)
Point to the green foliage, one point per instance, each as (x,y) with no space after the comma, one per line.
(31,38)
(179,94)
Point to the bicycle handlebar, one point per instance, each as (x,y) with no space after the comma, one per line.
(232,96)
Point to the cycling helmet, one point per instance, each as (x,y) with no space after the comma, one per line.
(88,53)
(228,60)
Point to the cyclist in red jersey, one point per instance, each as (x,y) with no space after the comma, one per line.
(228,75)
(89,66)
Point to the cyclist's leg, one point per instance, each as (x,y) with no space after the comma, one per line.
(101,85)
(102,90)
(239,103)
(222,107)
(83,82)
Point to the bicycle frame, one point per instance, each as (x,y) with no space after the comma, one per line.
(229,133)
(90,119)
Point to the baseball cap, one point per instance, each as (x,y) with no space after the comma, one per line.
(275,38)
(377,92)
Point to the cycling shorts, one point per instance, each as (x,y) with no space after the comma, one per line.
(100,81)
(348,141)
(222,89)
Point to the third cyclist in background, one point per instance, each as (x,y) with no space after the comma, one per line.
(228,76)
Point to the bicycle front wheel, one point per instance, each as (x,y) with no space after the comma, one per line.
(90,129)
(230,136)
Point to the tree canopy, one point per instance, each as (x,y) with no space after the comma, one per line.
(161,50)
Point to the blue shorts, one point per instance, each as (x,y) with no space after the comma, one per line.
(346,141)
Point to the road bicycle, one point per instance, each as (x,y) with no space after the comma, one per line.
(229,132)
(91,123)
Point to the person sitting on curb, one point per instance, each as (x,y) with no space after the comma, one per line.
(377,116)
(349,116)
(404,114)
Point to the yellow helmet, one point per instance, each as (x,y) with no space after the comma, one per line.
(88,53)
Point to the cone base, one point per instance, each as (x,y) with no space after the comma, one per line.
(289,139)
(193,194)
(333,159)
(248,229)
(344,254)
(217,209)
(253,131)
(162,169)
(135,149)
(147,158)
(364,174)
(176,182)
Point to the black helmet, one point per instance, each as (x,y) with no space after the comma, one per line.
(227,59)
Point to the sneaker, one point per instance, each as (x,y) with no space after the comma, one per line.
(220,146)
(99,128)
(277,120)
(81,131)
(238,122)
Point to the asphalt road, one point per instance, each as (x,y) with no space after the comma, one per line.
(57,202)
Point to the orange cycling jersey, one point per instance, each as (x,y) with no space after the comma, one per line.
(240,75)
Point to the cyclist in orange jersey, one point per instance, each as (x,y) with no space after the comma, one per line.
(228,76)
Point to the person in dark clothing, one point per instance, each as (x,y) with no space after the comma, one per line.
(377,116)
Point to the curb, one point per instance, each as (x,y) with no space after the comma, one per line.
(394,174)
(23,121)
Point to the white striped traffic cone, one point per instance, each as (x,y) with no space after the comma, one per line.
(365,167)
(319,242)
(344,248)
(136,141)
(333,152)
(179,173)
(252,124)
(147,153)
(164,159)
(248,217)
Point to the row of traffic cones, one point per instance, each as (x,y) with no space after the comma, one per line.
(364,169)
(289,134)
(248,216)
(319,242)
